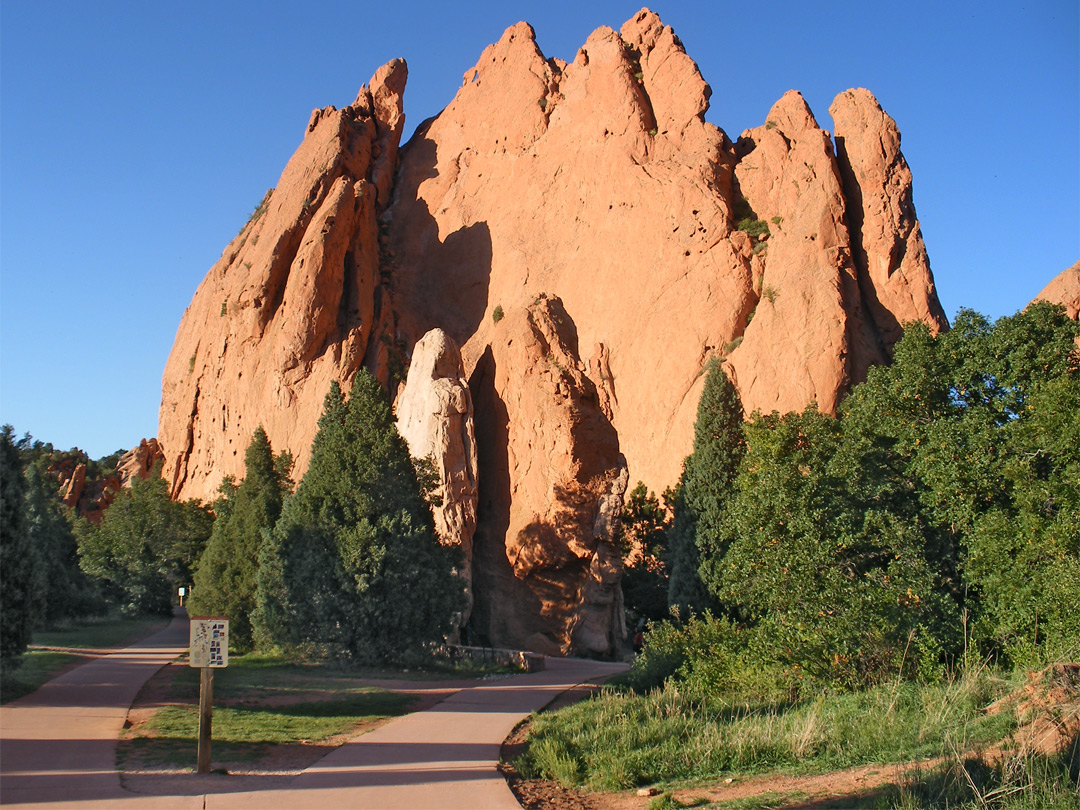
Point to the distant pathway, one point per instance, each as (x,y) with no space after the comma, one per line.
(59,744)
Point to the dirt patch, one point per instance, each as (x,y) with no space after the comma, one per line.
(1048,708)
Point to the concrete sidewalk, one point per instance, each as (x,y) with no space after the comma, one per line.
(58,744)
(445,757)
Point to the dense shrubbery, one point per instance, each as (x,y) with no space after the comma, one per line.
(937,516)
(145,546)
(855,573)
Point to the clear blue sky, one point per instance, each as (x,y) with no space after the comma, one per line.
(137,137)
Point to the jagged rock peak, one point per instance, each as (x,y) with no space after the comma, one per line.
(791,115)
(554,212)
(894,269)
(677,92)
(293,302)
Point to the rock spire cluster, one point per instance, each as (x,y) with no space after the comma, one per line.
(583,242)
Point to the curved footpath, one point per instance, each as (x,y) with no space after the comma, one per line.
(58,745)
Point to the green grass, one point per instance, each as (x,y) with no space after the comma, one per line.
(109,632)
(1019,782)
(771,799)
(620,740)
(244,733)
(259,702)
(40,665)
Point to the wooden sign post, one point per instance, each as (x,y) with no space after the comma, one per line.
(209,649)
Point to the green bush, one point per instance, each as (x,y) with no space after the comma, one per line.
(145,546)
(753,227)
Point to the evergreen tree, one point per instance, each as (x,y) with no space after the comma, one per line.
(353,567)
(145,546)
(65,591)
(20,566)
(704,490)
(225,580)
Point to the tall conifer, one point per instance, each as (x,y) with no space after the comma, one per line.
(704,489)
(225,581)
(353,567)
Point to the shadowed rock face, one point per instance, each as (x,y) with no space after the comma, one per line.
(589,241)
(546,568)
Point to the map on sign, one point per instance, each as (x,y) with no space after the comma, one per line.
(209,645)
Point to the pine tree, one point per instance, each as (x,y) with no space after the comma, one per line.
(353,567)
(704,490)
(225,581)
(20,568)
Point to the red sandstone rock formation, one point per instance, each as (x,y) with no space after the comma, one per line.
(1064,290)
(138,462)
(585,207)
(894,271)
(88,496)
(293,303)
(545,566)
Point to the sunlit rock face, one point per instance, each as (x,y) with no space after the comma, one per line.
(589,242)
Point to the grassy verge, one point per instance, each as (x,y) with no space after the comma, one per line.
(621,740)
(71,646)
(260,704)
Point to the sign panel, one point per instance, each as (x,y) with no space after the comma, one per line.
(209,642)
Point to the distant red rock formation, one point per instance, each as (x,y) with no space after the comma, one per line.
(1064,289)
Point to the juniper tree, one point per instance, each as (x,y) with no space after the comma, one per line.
(225,580)
(353,567)
(704,490)
(20,569)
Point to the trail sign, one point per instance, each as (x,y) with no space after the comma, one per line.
(208,650)
(209,642)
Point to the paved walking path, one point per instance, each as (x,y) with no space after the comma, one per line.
(58,744)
